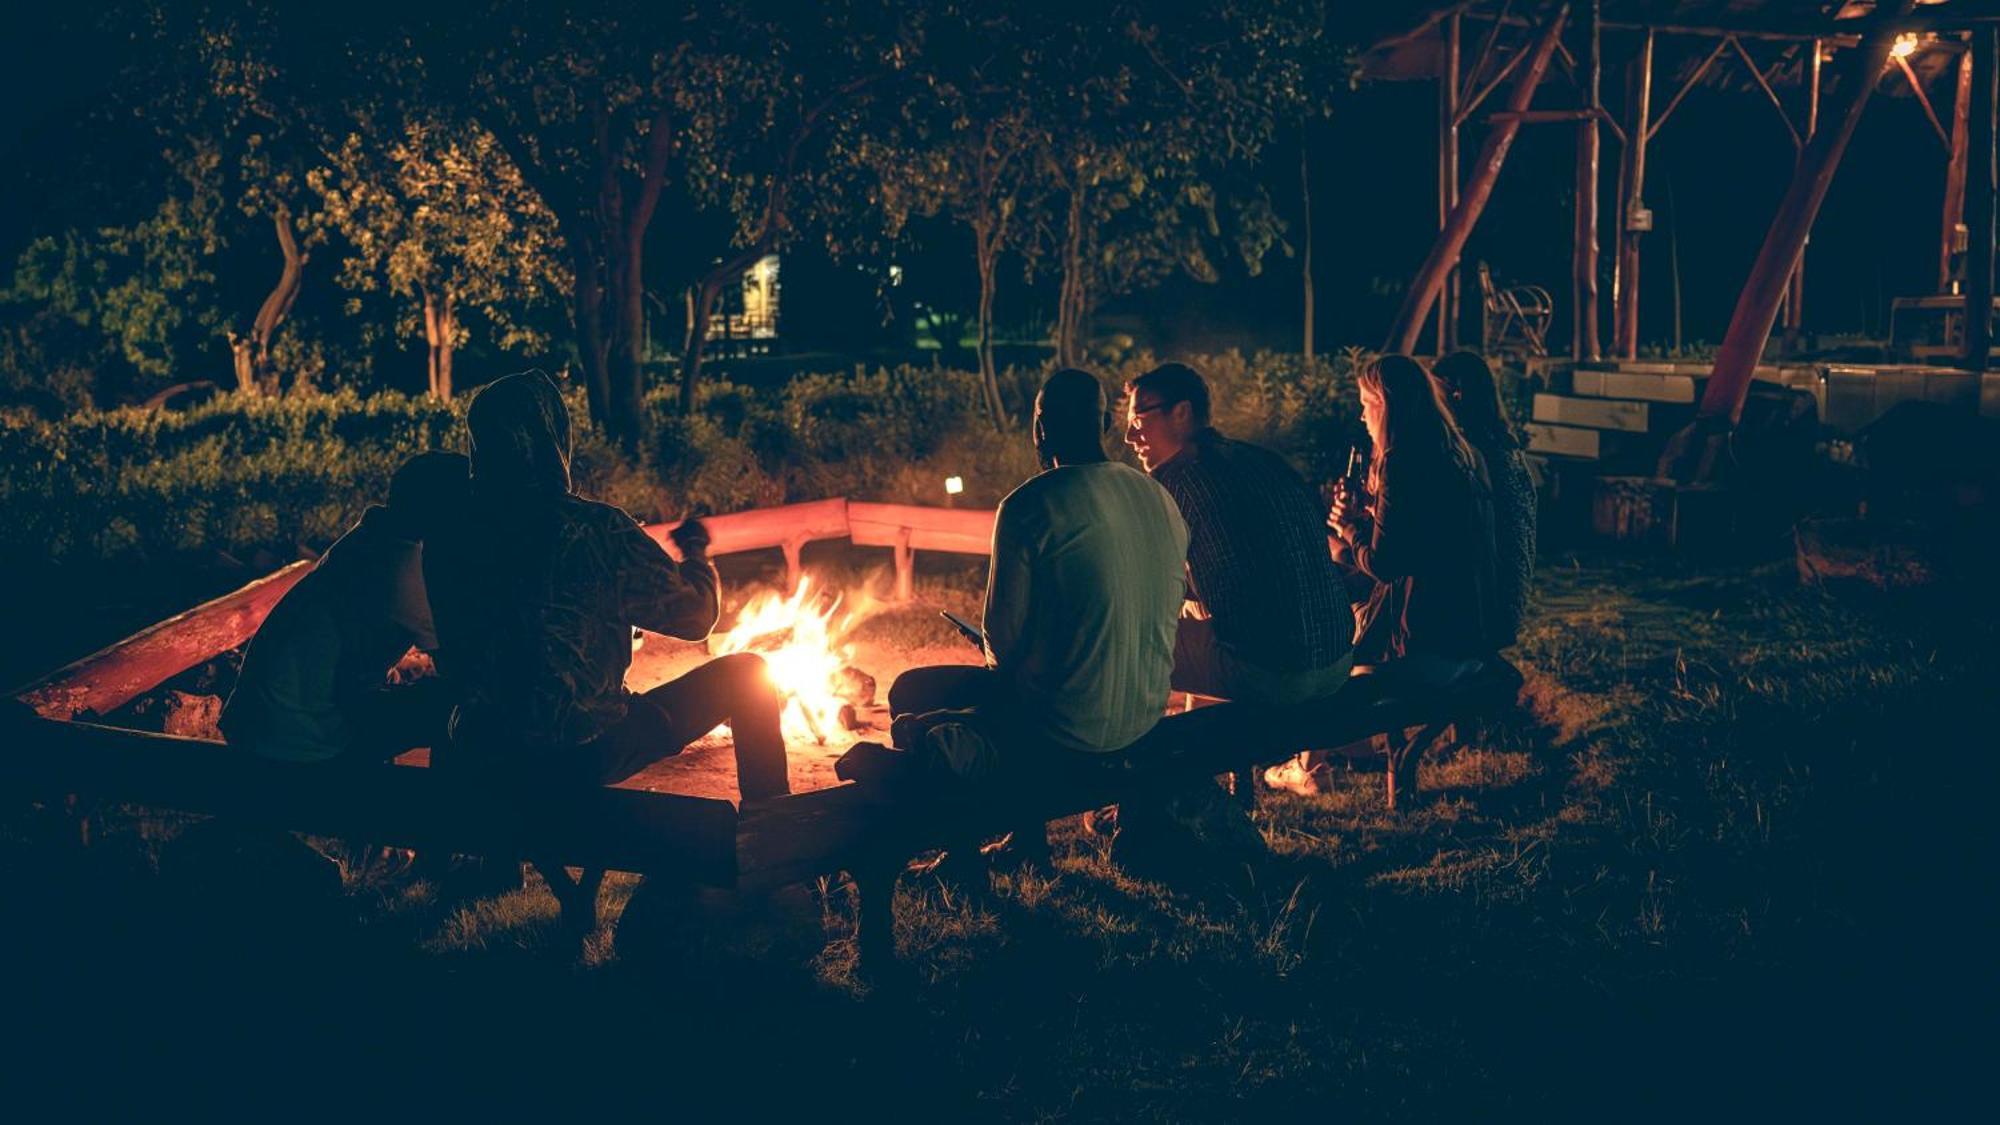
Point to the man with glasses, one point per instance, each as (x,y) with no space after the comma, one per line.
(1268,617)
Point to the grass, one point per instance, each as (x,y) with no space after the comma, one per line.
(1725,862)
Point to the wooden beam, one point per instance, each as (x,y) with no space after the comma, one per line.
(1698,450)
(1777,103)
(1447,177)
(1465,110)
(1632,194)
(1450,242)
(1584,344)
(1485,50)
(1979,202)
(112,677)
(1924,99)
(1954,178)
(1674,103)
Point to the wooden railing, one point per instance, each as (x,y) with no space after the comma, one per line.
(114,676)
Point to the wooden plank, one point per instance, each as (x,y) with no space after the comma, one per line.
(116,675)
(1592,413)
(1622,384)
(1565,441)
(763,528)
(622,829)
(930,529)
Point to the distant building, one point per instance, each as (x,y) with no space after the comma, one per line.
(746,320)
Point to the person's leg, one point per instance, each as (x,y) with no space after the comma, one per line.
(734,689)
(941,687)
(390,720)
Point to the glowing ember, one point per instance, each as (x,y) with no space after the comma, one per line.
(802,639)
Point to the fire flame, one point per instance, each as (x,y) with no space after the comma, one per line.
(803,640)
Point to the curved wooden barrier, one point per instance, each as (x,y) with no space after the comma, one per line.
(116,675)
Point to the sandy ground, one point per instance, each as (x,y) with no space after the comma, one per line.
(707,768)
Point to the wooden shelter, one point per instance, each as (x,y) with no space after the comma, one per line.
(1816,65)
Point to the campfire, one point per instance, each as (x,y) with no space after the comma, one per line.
(803,638)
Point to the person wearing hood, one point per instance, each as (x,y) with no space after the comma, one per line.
(535,591)
(313,687)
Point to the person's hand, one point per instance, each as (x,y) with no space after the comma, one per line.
(692,537)
(1344,520)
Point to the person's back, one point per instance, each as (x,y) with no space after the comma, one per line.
(1474,395)
(1081,606)
(536,624)
(312,683)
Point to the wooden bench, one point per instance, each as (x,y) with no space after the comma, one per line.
(697,839)
(859,829)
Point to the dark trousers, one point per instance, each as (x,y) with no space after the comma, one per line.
(734,689)
(389,720)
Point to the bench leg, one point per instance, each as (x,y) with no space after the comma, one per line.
(577,898)
(1405,755)
(875,915)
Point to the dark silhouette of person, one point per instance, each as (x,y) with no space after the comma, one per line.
(1474,394)
(1268,618)
(313,687)
(1081,599)
(1419,536)
(536,591)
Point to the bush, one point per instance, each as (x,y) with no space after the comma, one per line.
(244,475)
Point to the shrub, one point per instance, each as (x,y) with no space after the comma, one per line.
(245,474)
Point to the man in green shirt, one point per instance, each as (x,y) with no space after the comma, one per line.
(1081,608)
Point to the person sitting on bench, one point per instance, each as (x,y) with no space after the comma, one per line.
(1084,588)
(1475,405)
(312,687)
(536,591)
(1419,537)
(1269,619)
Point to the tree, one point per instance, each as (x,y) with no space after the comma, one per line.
(964,149)
(436,214)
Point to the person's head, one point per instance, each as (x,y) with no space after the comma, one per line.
(1070,419)
(1474,393)
(520,436)
(1405,412)
(428,489)
(1167,406)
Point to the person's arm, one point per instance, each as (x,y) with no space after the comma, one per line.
(680,599)
(1007,589)
(1393,541)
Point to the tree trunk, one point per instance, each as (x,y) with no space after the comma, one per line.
(430,343)
(276,307)
(587,308)
(987,250)
(440,330)
(701,307)
(1069,311)
(1306,263)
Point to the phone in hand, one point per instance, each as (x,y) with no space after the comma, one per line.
(966,629)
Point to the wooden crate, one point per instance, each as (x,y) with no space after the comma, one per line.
(1624,384)
(1592,413)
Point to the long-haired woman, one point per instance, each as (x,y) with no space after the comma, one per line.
(1419,539)
(1469,384)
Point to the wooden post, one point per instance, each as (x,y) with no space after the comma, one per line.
(1430,278)
(1694,452)
(1954,177)
(1979,179)
(1631,202)
(1583,248)
(1796,289)
(906,568)
(1448,311)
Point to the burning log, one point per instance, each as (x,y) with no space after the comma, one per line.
(854,686)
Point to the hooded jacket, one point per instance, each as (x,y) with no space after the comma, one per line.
(535,592)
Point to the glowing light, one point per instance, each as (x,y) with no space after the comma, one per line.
(802,638)
(1905,46)
(954,485)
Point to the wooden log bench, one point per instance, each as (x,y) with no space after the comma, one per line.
(702,839)
(872,836)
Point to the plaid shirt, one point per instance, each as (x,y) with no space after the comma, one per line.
(1257,554)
